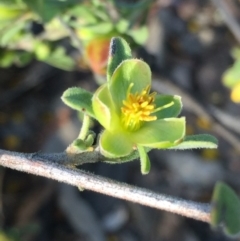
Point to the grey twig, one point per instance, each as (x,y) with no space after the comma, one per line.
(230,20)
(50,168)
(226,119)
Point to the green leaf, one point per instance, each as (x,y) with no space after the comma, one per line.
(129,71)
(11,33)
(58,58)
(102,28)
(119,51)
(89,13)
(114,145)
(10,12)
(6,58)
(42,50)
(22,58)
(232,75)
(225,210)
(173,106)
(104,109)
(80,144)
(131,6)
(90,138)
(122,25)
(48,9)
(84,13)
(139,35)
(10,57)
(197,141)
(78,99)
(144,160)
(161,134)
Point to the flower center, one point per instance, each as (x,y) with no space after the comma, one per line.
(137,108)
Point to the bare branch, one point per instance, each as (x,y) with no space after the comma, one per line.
(50,168)
(230,20)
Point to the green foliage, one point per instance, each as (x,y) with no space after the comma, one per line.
(83,145)
(197,141)
(171,106)
(80,144)
(59,59)
(61,19)
(139,35)
(78,99)
(11,34)
(48,9)
(225,210)
(9,12)
(20,58)
(119,51)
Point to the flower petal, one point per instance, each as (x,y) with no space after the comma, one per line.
(114,145)
(162,133)
(171,106)
(129,71)
(103,108)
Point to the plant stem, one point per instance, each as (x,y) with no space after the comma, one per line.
(85,127)
(48,167)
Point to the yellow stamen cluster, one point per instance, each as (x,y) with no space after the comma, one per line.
(137,108)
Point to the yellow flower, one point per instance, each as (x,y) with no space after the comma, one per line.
(235,94)
(133,117)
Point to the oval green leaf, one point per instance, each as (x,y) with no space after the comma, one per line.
(162,133)
(225,210)
(78,99)
(197,141)
(114,145)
